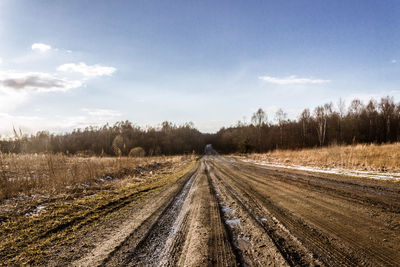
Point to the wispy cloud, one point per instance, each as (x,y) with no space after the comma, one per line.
(87,70)
(394,61)
(37,81)
(37,122)
(103,112)
(11,99)
(292,80)
(1,60)
(40,47)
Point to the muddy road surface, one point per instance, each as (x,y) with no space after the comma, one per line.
(230,213)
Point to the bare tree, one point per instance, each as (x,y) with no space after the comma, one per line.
(259,119)
(341,113)
(387,108)
(320,117)
(372,115)
(356,107)
(281,116)
(305,119)
(374,122)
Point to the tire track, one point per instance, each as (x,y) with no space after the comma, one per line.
(148,249)
(354,239)
(207,242)
(292,252)
(234,214)
(371,192)
(189,232)
(330,242)
(316,241)
(220,245)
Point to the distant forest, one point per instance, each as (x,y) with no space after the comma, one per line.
(373,122)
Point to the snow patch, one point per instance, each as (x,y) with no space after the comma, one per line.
(233,223)
(354,173)
(36,211)
(228,211)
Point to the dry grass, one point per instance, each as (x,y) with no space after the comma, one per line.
(382,158)
(70,209)
(31,174)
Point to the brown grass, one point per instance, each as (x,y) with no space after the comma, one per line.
(30,174)
(382,158)
(32,239)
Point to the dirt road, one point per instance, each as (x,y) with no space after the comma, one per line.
(230,213)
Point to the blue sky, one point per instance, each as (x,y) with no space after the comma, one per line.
(69,64)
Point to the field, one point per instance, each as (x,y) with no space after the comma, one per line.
(47,174)
(187,211)
(49,201)
(378,158)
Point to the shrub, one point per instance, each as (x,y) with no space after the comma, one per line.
(137,152)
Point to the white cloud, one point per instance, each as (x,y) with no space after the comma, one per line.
(36,81)
(89,117)
(394,61)
(11,99)
(1,60)
(103,112)
(292,80)
(40,47)
(58,123)
(87,70)
(8,122)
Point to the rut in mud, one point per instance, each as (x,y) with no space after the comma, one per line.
(189,232)
(230,213)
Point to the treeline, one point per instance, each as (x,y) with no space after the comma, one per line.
(372,122)
(121,139)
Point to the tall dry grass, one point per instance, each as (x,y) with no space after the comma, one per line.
(28,174)
(370,157)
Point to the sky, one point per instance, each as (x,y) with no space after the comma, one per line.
(70,64)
